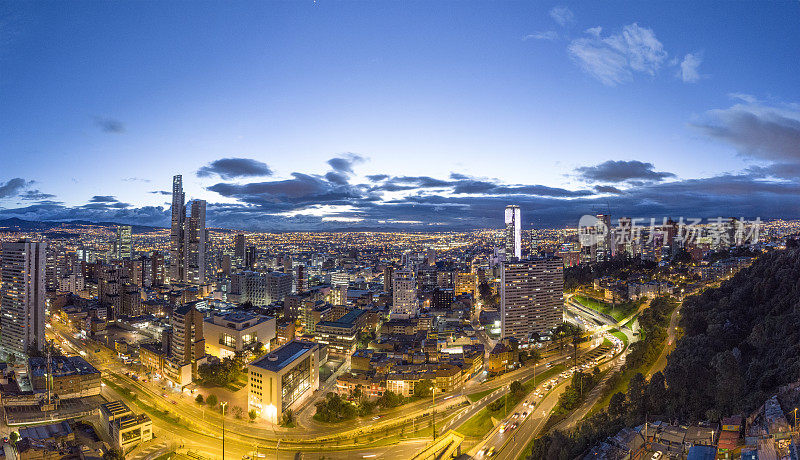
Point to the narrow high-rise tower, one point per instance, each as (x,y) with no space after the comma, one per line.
(22,297)
(195,243)
(176,234)
(513,233)
(187,246)
(124,243)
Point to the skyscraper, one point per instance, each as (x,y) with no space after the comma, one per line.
(22,297)
(124,243)
(531,296)
(240,246)
(404,294)
(195,243)
(176,242)
(513,233)
(187,249)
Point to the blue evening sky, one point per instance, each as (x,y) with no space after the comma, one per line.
(653,107)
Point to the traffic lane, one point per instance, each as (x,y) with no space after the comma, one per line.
(519,438)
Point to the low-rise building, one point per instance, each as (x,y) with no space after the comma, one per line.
(228,333)
(283,379)
(72,376)
(125,428)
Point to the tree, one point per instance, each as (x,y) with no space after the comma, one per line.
(252,414)
(212,400)
(199,399)
(114,454)
(288,418)
(516,388)
(616,407)
(423,388)
(238,412)
(13,437)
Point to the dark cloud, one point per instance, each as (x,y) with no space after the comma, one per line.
(35,195)
(621,171)
(231,168)
(608,189)
(300,190)
(470,186)
(377,177)
(768,133)
(109,125)
(12,188)
(56,211)
(103,199)
(161,192)
(345,163)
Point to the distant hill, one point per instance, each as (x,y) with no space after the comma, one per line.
(15,223)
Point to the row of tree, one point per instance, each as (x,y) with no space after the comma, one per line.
(625,409)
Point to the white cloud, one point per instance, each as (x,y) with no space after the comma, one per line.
(562,15)
(688,71)
(546,35)
(614,59)
(595,31)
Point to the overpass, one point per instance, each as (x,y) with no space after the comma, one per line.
(446,447)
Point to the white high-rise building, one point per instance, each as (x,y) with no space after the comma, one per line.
(22,297)
(531,296)
(404,294)
(513,233)
(187,249)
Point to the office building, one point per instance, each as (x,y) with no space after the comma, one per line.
(513,221)
(301,278)
(239,246)
(187,249)
(22,296)
(195,244)
(124,242)
(341,335)
(388,274)
(226,334)
(250,257)
(465,283)
(404,294)
(259,288)
(531,297)
(283,379)
(176,234)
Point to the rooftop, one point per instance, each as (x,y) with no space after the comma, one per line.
(45,432)
(285,355)
(347,321)
(61,366)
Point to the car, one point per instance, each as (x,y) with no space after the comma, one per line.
(5,439)
(656,455)
(524,414)
(174,402)
(490,452)
(483,451)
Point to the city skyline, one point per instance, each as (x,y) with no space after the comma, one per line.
(415,117)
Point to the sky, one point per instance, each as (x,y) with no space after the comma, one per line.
(422,116)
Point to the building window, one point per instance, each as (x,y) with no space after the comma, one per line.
(227,340)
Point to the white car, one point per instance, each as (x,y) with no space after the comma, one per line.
(656,455)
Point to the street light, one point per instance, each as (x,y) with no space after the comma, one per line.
(223,404)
